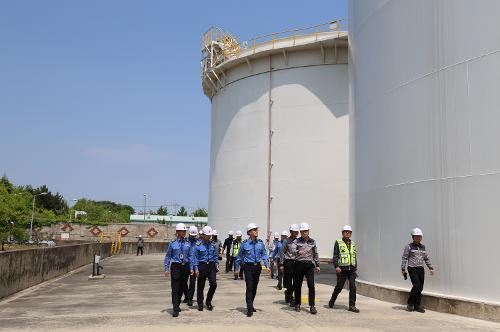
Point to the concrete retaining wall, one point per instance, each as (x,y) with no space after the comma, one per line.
(462,307)
(149,247)
(21,269)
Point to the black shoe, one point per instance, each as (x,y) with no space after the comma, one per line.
(185,300)
(249,313)
(254,310)
(313,310)
(292,303)
(210,307)
(354,309)
(297,307)
(235,278)
(420,309)
(272,276)
(190,303)
(175,314)
(410,307)
(200,308)
(280,287)
(331,303)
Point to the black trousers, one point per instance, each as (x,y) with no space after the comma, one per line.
(417,276)
(341,279)
(252,275)
(179,274)
(289,268)
(304,269)
(189,293)
(229,262)
(139,249)
(280,275)
(207,271)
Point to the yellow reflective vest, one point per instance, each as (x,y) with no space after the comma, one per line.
(236,248)
(346,257)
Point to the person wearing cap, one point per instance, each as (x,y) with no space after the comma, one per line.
(228,243)
(204,258)
(345,262)
(307,262)
(234,253)
(415,256)
(189,293)
(250,255)
(140,245)
(177,264)
(276,258)
(287,263)
(271,245)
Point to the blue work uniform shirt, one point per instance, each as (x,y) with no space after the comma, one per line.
(277,251)
(178,251)
(204,252)
(252,252)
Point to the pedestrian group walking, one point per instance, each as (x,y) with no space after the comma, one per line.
(191,261)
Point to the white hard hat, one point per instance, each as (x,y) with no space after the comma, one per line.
(416,231)
(347,228)
(230,233)
(180,227)
(276,235)
(294,227)
(251,226)
(193,230)
(284,233)
(207,230)
(238,233)
(304,226)
(214,232)
(140,235)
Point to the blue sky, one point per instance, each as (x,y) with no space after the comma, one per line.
(103,100)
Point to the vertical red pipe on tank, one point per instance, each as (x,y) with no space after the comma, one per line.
(270,163)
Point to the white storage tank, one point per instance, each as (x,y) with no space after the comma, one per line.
(425,91)
(279,145)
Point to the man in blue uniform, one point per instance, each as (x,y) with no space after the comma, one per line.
(177,261)
(204,258)
(276,257)
(189,293)
(252,252)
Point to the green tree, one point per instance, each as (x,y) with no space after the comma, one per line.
(4,181)
(162,211)
(14,212)
(103,212)
(52,202)
(182,212)
(200,212)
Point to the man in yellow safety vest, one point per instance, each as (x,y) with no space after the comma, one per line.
(234,252)
(344,260)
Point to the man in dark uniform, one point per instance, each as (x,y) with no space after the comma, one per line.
(227,246)
(345,262)
(287,263)
(307,263)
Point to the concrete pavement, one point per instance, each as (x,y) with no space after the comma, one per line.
(135,296)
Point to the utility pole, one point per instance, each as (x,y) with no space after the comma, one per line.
(144,208)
